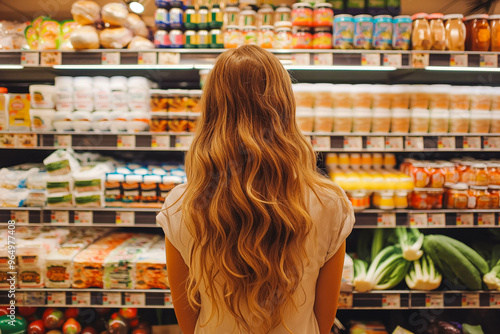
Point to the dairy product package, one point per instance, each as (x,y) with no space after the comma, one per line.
(150,268)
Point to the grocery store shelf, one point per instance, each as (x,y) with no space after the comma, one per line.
(146,217)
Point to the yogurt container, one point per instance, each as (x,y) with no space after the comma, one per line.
(363,31)
(41,119)
(42,96)
(343,31)
(382,32)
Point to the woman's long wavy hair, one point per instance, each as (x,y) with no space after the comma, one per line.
(248,171)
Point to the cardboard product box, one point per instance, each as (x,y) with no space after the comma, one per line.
(19,112)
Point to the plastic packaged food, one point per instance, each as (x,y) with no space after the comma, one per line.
(149,188)
(102,93)
(480,121)
(190,17)
(323,120)
(150,268)
(81,120)
(302,14)
(495,122)
(400,121)
(265,37)
(249,34)
(495,32)
(381,121)
(400,96)
(343,120)
(305,119)
(323,15)
(118,85)
(282,14)
(342,97)
(216,19)
(85,12)
(115,38)
(439,119)
(420,97)
(421,32)
(455,32)
(343,31)
(42,96)
(362,120)
(112,188)
(41,119)
(456,196)
(67,28)
(401,39)
(363,31)
(83,96)
(481,98)
(438,33)
(381,97)
(138,94)
(478,35)
(248,17)
(478,198)
(322,38)
(323,95)
(131,189)
(459,98)
(426,198)
(419,121)
(265,16)
(382,32)
(283,35)
(459,121)
(361,96)
(114,14)
(301,38)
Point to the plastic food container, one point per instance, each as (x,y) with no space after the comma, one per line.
(323,15)
(363,31)
(400,120)
(343,31)
(420,97)
(459,121)
(302,15)
(305,119)
(480,121)
(400,96)
(401,39)
(439,121)
(362,120)
(100,121)
(495,122)
(382,32)
(42,96)
(459,98)
(81,121)
(419,121)
(426,198)
(362,96)
(342,96)
(381,121)
(323,94)
(41,119)
(343,120)
(138,121)
(304,95)
(382,96)
(63,121)
(323,120)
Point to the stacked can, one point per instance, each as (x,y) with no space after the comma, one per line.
(312,27)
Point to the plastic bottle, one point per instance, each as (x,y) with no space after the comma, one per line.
(138,94)
(82,95)
(64,93)
(102,94)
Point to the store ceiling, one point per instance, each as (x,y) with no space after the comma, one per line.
(60,9)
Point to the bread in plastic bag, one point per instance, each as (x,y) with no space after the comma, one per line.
(115,38)
(141,43)
(85,12)
(114,14)
(137,25)
(85,37)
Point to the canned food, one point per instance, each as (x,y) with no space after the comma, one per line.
(161,18)
(232,37)
(343,31)
(363,32)
(190,39)
(203,41)
(162,39)
(216,39)
(176,38)
(175,18)
(249,35)
(190,18)
(265,37)
(382,32)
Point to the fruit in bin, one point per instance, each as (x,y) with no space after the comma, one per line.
(3,310)
(114,316)
(9,326)
(128,312)
(134,322)
(89,330)
(117,326)
(71,312)
(53,318)
(26,311)
(36,327)
(71,326)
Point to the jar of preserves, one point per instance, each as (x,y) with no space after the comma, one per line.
(495,32)
(161,18)
(231,16)
(426,198)
(283,35)
(302,14)
(450,172)
(438,34)
(387,200)
(265,37)
(456,196)
(358,199)
(322,38)
(479,198)
(481,176)
(249,35)
(420,174)
(343,31)
(202,18)
(248,17)
(216,39)
(323,15)
(421,32)
(494,173)
(436,176)
(363,31)
(176,38)
(190,39)
(401,199)
(215,17)
(282,14)
(232,37)
(190,17)
(203,39)
(382,32)
(162,39)
(478,34)
(455,32)
(265,16)
(301,38)
(494,191)
(401,39)
(466,173)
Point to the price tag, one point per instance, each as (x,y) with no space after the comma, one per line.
(418,219)
(394,143)
(391,300)
(353,143)
(470,299)
(183,141)
(419,60)
(56,298)
(472,143)
(436,219)
(125,141)
(375,143)
(465,219)
(459,60)
(110,58)
(370,59)
(80,298)
(135,299)
(491,142)
(35,298)
(20,217)
(323,59)
(393,59)
(111,298)
(20,298)
(488,60)
(321,142)
(345,300)
(62,140)
(434,300)
(416,143)
(169,58)
(125,218)
(50,58)
(84,217)
(59,217)
(30,58)
(168,300)
(160,141)
(494,299)
(301,59)
(386,220)
(146,58)
(446,143)
(486,219)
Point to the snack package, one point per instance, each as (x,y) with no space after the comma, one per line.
(140,43)
(150,268)
(115,38)
(60,200)
(89,199)
(84,37)
(31,276)
(61,162)
(37,24)
(59,184)
(85,12)
(19,112)
(115,14)
(67,28)
(48,38)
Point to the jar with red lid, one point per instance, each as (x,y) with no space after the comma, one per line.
(323,15)
(322,38)
(283,35)
(301,38)
(494,191)
(494,173)
(478,34)
(479,198)
(456,196)
(481,176)
(302,15)
(438,33)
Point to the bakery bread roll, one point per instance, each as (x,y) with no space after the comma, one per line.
(137,25)
(141,43)
(85,37)
(115,38)
(115,14)
(85,12)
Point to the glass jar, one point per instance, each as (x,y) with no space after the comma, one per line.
(450,172)
(478,34)
(202,18)
(322,38)
(426,198)
(363,31)
(494,191)
(479,198)
(343,31)
(190,18)
(457,196)
(421,32)
(301,38)
(481,176)
(382,32)
(494,173)
(232,37)
(282,14)
(323,15)
(216,18)
(265,16)
(190,39)
(248,17)
(436,176)
(216,39)
(231,16)
(455,32)
(401,199)
(265,37)
(283,35)
(420,174)
(401,39)
(495,32)
(249,35)
(438,33)
(302,15)
(387,200)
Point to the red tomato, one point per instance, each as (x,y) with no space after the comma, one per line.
(89,330)
(26,311)
(128,313)
(114,316)
(71,326)
(53,318)
(134,322)
(54,331)
(140,331)
(36,327)
(71,312)
(3,310)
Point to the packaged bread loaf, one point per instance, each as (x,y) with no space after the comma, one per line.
(85,12)
(140,43)
(85,37)
(114,14)
(150,268)
(137,25)
(115,38)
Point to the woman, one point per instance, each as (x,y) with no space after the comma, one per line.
(255,240)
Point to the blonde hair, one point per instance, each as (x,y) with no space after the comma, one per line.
(248,170)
